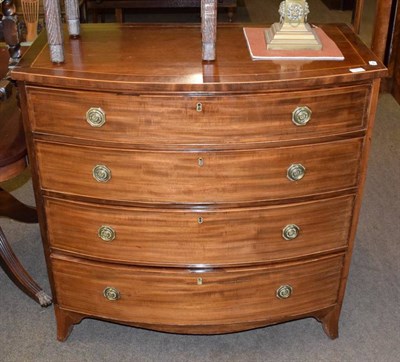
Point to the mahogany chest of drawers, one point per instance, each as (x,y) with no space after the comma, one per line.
(196,197)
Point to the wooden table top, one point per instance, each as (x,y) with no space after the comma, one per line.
(157,58)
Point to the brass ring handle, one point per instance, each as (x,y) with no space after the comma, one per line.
(101,173)
(290,232)
(106,233)
(284,291)
(96,117)
(301,116)
(111,293)
(296,172)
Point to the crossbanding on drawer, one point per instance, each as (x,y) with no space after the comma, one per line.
(199,177)
(184,297)
(173,237)
(155,120)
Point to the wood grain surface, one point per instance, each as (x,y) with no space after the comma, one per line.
(177,177)
(147,64)
(178,238)
(158,120)
(174,297)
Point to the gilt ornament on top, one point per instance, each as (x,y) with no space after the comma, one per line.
(292,32)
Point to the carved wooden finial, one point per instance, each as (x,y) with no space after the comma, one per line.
(10,30)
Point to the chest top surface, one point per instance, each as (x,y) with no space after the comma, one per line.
(158,58)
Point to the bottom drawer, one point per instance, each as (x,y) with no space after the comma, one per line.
(182,297)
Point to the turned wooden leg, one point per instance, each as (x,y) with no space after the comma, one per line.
(83,14)
(10,30)
(119,15)
(330,323)
(95,16)
(231,13)
(54,30)
(65,322)
(13,268)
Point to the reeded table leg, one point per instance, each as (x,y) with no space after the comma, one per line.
(16,272)
(14,209)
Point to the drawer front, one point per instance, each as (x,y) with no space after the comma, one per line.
(184,297)
(155,120)
(197,177)
(189,238)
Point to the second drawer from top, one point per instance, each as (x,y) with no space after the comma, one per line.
(199,177)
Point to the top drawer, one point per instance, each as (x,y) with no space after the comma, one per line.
(185,120)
